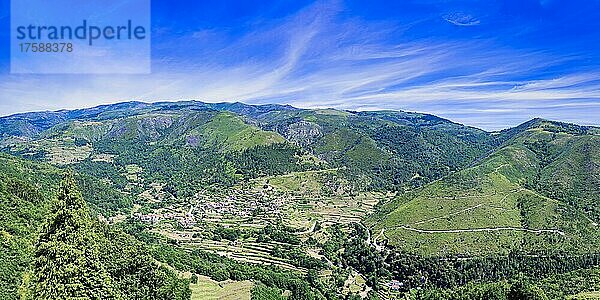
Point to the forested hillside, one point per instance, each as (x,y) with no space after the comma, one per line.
(502,217)
(385,150)
(53,249)
(193,200)
(508,201)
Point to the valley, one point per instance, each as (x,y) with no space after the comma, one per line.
(274,202)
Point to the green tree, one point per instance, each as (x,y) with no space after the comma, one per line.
(66,263)
(523,291)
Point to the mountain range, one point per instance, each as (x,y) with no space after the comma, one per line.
(450,190)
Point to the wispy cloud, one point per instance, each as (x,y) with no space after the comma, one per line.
(319,57)
(461,19)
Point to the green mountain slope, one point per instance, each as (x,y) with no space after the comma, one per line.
(573,176)
(229,132)
(385,150)
(185,148)
(500,205)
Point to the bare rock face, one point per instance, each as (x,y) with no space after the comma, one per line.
(154,126)
(302,133)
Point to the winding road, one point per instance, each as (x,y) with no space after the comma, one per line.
(484,230)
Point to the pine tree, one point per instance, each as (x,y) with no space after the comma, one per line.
(66,263)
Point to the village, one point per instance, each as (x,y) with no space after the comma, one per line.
(233,222)
(219,208)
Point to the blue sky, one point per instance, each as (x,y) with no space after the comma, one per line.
(490,64)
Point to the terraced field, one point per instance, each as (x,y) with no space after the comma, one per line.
(297,200)
(320,195)
(240,250)
(208,289)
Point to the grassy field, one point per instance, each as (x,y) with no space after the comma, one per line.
(229,132)
(208,289)
(585,296)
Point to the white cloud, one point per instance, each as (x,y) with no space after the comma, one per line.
(318,59)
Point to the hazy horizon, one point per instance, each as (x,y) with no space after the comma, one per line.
(295,106)
(491,65)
